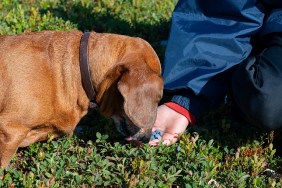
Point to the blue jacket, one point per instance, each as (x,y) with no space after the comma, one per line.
(207,39)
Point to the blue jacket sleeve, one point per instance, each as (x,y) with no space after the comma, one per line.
(207,39)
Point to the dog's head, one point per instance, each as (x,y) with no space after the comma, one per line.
(130,94)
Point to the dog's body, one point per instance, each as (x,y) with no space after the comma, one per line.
(41,91)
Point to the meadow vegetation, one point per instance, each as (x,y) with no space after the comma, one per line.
(221,150)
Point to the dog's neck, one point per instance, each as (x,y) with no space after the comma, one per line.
(87,82)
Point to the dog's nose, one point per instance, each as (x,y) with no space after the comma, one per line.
(145,139)
(147,136)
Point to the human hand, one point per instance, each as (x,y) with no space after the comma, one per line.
(168,127)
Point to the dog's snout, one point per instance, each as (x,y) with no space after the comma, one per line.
(131,131)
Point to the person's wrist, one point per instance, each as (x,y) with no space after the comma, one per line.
(183,111)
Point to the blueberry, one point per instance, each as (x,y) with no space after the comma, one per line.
(157,131)
(156,134)
(178,148)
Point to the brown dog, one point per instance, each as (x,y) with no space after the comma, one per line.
(41,90)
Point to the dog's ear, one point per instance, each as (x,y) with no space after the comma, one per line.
(108,97)
(135,88)
(141,89)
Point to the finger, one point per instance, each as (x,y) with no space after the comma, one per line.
(167,142)
(155,142)
(169,139)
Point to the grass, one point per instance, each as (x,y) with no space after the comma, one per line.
(221,150)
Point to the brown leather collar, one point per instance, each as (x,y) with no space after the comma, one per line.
(84,67)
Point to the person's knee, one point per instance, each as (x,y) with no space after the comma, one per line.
(257,88)
(265,115)
(263,110)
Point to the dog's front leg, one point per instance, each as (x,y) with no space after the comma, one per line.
(11,135)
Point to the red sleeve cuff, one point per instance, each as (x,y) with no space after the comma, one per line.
(181,110)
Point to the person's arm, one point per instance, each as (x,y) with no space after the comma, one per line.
(207,39)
